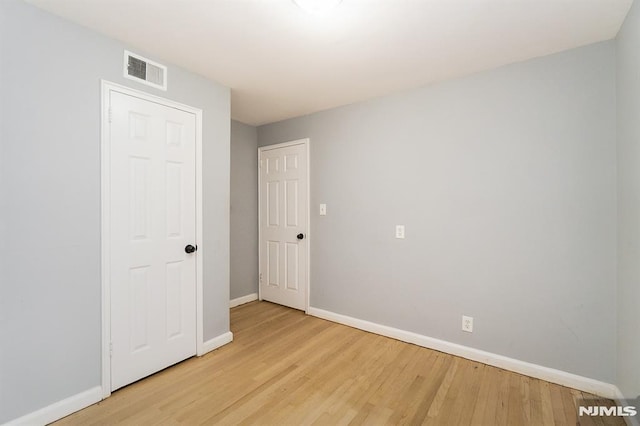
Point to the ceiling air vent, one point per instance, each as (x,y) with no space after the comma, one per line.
(145,71)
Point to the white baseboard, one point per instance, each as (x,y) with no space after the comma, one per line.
(242,300)
(563,378)
(84,399)
(60,409)
(216,342)
(620,400)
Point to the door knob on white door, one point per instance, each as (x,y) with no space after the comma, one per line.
(300,236)
(190,249)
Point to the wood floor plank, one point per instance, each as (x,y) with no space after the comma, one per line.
(287,368)
(535,403)
(525,395)
(502,406)
(516,411)
(459,396)
(425,386)
(557,404)
(477,415)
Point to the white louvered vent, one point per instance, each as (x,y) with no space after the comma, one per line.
(145,71)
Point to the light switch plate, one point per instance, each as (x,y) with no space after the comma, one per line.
(323,209)
(399,231)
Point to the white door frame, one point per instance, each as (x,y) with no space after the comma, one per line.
(105,163)
(305,142)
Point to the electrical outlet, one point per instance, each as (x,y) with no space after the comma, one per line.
(399,231)
(323,209)
(467,324)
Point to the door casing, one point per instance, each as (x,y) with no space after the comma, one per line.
(308,236)
(105,143)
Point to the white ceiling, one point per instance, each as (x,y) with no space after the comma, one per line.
(282,62)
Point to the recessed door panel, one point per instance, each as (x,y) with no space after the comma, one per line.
(174,134)
(173,179)
(138,126)
(291,250)
(291,162)
(273,263)
(273,203)
(139,202)
(272,165)
(139,287)
(175,283)
(291,201)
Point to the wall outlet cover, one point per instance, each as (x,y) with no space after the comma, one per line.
(467,324)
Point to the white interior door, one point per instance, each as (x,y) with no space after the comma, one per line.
(152,220)
(284,224)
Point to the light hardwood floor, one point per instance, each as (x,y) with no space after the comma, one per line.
(286,368)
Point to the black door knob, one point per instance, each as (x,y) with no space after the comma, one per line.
(300,236)
(190,249)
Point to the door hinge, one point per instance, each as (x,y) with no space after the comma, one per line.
(110,349)
(260,277)
(110,115)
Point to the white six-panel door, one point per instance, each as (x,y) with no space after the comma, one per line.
(153,218)
(284,224)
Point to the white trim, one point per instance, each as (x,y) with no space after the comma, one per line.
(563,378)
(106,88)
(125,71)
(60,409)
(259,223)
(307,142)
(304,141)
(309,236)
(199,237)
(216,342)
(620,400)
(105,165)
(242,300)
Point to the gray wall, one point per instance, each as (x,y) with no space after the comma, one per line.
(628,67)
(244,210)
(506,183)
(50,202)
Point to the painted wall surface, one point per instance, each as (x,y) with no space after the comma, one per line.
(50,308)
(506,183)
(244,209)
(628,97)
